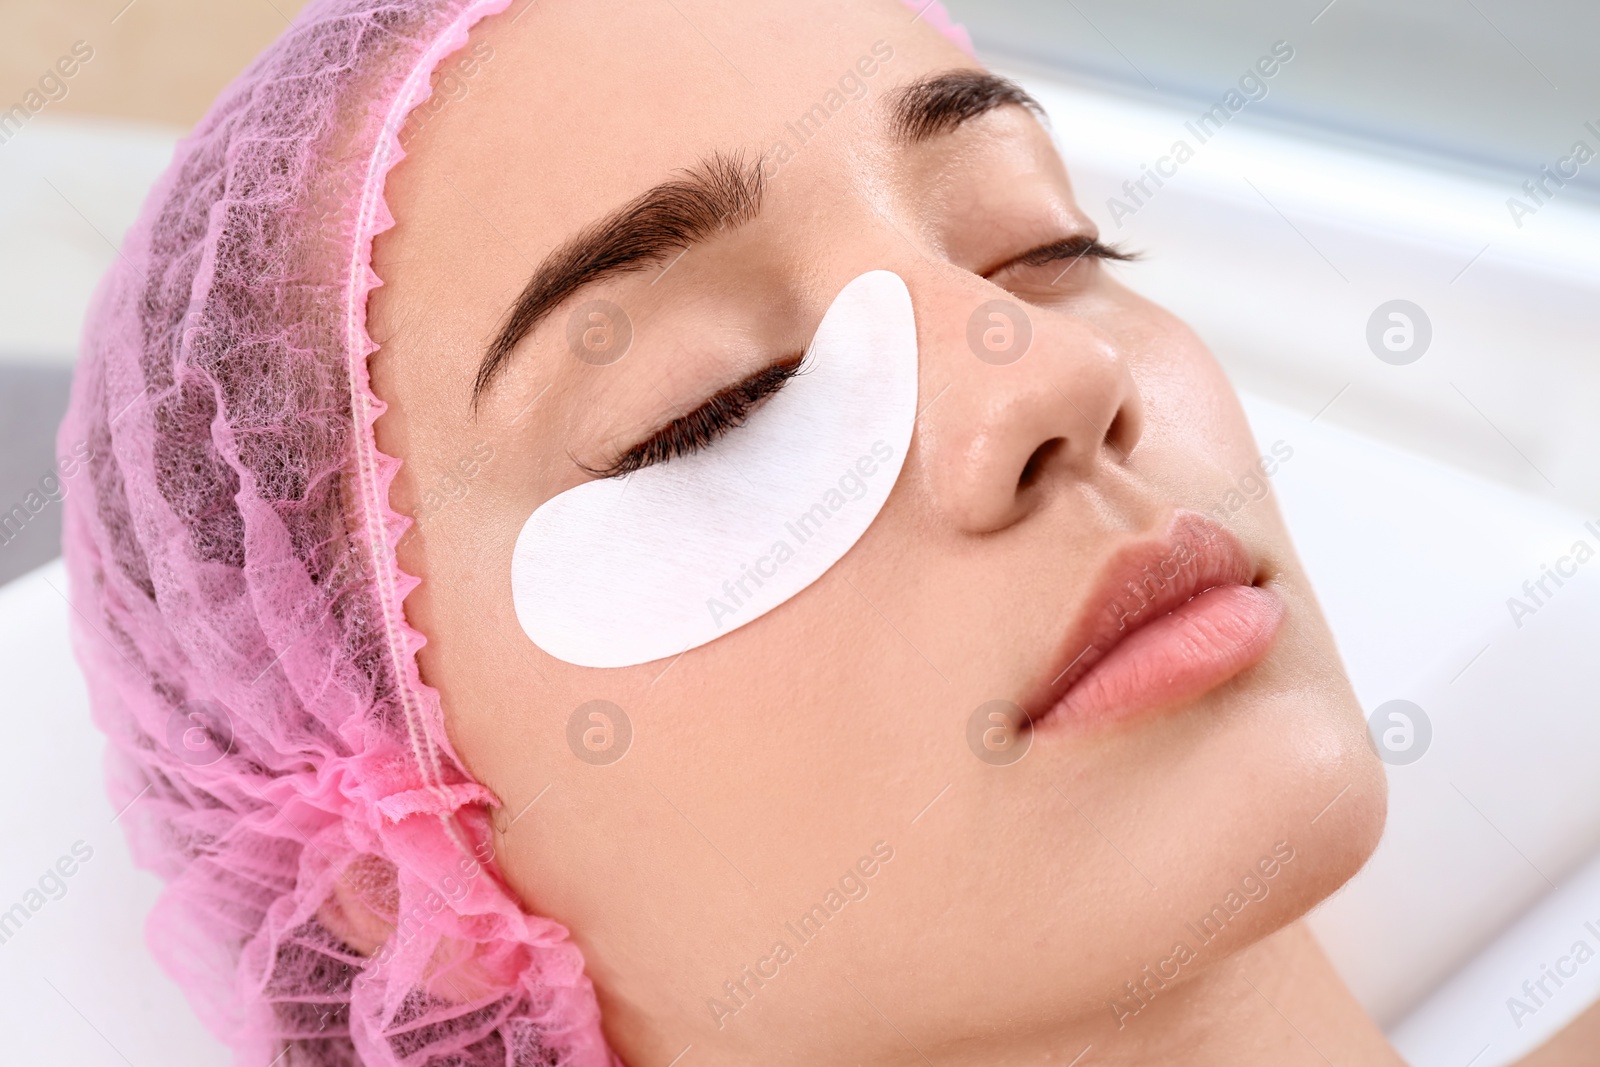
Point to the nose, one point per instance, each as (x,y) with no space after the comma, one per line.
(1036,398)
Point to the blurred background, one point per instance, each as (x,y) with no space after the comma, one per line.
(1438,160)
(1492,85)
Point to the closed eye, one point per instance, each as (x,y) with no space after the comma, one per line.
(723,411)
(1067,250)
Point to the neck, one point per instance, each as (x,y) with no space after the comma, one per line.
(1278,1003)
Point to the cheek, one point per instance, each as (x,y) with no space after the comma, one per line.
(1189,402)
(1197,445)
(720,788)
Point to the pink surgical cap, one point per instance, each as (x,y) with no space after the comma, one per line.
(277,757)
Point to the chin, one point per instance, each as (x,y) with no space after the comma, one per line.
(1291,762)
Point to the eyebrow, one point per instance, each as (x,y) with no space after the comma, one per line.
(938,104)
(719,192)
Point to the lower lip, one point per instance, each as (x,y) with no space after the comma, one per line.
(1176,658)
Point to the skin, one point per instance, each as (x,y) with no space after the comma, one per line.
(1019,899)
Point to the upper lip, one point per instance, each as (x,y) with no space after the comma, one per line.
(1140,583)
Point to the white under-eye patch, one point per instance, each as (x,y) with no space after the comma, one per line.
(627,570)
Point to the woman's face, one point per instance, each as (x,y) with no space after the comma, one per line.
(816,762)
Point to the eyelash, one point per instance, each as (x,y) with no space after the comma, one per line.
(724,411)
(1067,248)
(728,409)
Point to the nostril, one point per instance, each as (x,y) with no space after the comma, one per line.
(1039,461)
(1123,433)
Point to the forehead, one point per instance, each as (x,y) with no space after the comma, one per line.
(560,110)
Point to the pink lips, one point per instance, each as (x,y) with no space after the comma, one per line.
(1171,619)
